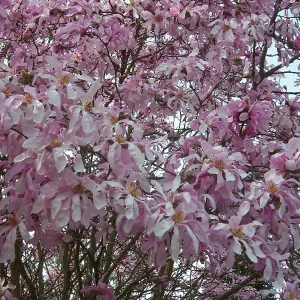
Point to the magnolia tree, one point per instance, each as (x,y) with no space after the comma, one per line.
(148,149)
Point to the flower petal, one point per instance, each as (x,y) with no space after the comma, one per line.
(38,111)
(249,252)
(60,161)
(237,248)
(162,227)
(175,244)
(78,164)
(244,208)
(54,97)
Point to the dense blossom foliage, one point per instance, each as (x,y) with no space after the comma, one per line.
(149,149)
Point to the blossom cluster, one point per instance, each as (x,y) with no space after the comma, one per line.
(166,117)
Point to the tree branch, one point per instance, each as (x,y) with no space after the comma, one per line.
(237,287)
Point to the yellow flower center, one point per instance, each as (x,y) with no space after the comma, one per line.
(252,22)
(63,80)
(178,217)
(56,143)
(220,165)
(77,57)
(120,139)
(78,189)
(188,9)
(133,190)
(273,188)
(237,60)
(226,27)
(207,122)
(132,2)
(24,72)
(11,221)
(292,295)
(88,105)
(19,128)
(158,18)
(142,148)
(26,78)
(180,95)
(28,98)
(237,232)
(6,91)
(114,119)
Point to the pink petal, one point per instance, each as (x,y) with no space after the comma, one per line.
(54,97)
(60,161)
(291,165)
(31,143)
(38,205)
(237,248)
(194,240)
(71,92)
(249,230)
(264,200)
(292,146)
(86,122)
(38,111)
(99,200)
(175,244)
(56,205)
(78,164)
(53,62)
(176,183)
(24,232)
(76,208)
(74,118)
(162,227)
(268,272)
(136,154)
(244,208)
(22,157)
(249,252)
(15,114)
(93,89)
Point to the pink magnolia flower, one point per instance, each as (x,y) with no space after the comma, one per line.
(19,106)
(220,163)
(255,116)
(51,149)
(256,26)
(182,68)
(192,13)
(292,154)
(157,20)
(81,115)
(125,199)
(223,30)
(184,226)
(241,234)
(74,200)
(209,122)
(101,291)
(262,192)
(9,226)
(175,9)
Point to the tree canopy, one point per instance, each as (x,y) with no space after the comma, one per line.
(150,149)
